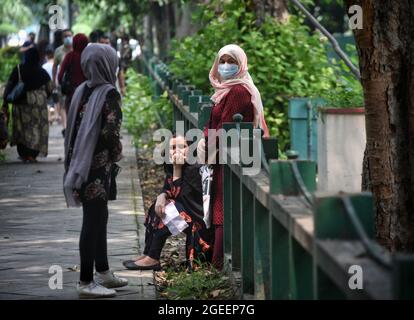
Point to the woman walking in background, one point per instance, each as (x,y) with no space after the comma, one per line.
(30,113)
(70,69)
(235,92)
(92,146)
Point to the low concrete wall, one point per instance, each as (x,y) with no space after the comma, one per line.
(341,145)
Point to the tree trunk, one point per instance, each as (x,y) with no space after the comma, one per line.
(148,44)
(275,8)
(44,32)
(386,53)
(161,16)
(184,26)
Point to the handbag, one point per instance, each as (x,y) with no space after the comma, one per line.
(18,90)
(206,173)
(112,190)
(66,86)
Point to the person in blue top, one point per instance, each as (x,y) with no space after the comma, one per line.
(28,44)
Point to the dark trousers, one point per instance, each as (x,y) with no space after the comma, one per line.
(155,241)
(25,152)
(92,243)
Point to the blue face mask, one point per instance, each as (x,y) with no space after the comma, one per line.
(68,41)
(227,70)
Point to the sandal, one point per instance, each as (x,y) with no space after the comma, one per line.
(131,265)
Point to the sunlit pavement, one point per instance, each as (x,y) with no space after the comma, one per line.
(38,231)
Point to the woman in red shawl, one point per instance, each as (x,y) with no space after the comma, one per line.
(72,64)
(234,92)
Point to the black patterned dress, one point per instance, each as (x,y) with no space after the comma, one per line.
(187,195)
(101,181)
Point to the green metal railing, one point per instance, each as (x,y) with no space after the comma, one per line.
(283,239)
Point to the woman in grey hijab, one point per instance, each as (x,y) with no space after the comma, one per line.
(92,147)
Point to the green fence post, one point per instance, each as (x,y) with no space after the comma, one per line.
(203,114)
(191,93)
(236,220)
(262,225)
(332,222)
(247,239)
(288,256)
(279,248)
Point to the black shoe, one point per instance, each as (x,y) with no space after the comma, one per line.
(130,265)
(125,262)
(63,132)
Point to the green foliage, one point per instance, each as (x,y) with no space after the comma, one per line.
(347,91)
(14,14)
(285,60)
(141,111)
(204,283)
(9,58)
(108,14)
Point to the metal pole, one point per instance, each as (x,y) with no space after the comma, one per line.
(331,39)
(309,131)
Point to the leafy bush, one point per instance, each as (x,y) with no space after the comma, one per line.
(9,58)
(347,91)
(142,112)
(285,61)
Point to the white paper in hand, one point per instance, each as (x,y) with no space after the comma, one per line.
(173,221)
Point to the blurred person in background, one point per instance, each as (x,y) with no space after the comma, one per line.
(29,43)
(60,53)
(41,46)
(125,53)
(120,75)
(48,66)
(29,113)
(71,66)
(95,35)
(57,39)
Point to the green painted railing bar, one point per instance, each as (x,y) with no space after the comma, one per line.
(262,222)
(204,112)
(280,261)
(195,101)
(247,239)
(331,221)
(236,222)
(303,275)
(282,180)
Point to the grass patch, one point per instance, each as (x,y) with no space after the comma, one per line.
(205,283)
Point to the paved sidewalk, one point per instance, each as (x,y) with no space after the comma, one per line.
(38,231)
